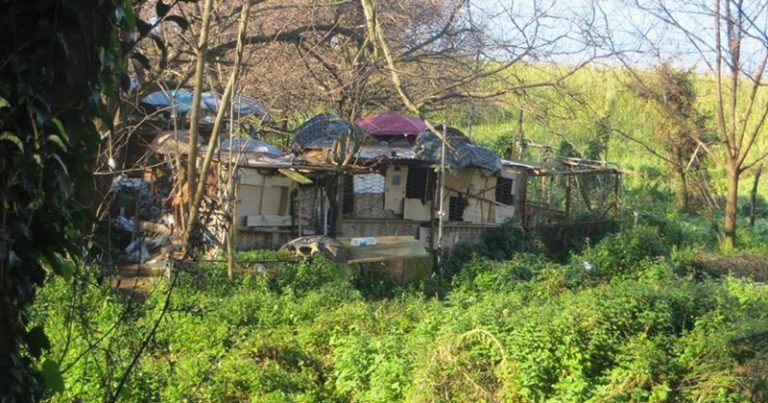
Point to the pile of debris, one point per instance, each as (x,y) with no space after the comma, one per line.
(143,232)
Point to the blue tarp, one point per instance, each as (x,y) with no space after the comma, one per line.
(244,105)
(180,101)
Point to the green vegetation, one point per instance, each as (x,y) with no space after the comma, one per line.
(628,318)
(648,314)
(653,313)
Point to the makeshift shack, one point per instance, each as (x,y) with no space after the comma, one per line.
(394,190)
(275,199)
(346,181)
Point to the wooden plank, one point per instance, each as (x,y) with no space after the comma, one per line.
(267,221)
(295,176)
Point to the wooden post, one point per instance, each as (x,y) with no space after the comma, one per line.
(518,140)
(441,217)
(617,196)
(339,196)
(232,230)
(523,200)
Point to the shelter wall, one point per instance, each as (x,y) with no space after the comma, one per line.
(248,238)
(476,189)
(394,190)
(263,199)
(509,208)
(456,233)
(378,227)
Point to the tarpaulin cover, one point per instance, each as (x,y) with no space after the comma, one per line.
(243,105)
(321,130)
(180,101)
(249,146)
(461,153)
(391,123)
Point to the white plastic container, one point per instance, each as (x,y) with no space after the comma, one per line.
(367,241)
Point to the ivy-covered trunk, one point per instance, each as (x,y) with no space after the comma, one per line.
(58,57)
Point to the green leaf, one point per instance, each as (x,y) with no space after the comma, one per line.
(58,266)
(8,136)
(52,375)
(60,128)
(61,163)
(37,341)
(142,60)
(143,27)
(179,20)
(163,50)
(4,103)
(129,14)
(161,9)
(58,141)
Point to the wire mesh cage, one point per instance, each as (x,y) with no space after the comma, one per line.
(310,210)
(364,196)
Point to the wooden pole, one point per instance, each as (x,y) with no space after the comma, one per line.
(441,215)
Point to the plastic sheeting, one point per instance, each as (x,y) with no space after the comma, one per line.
(249,146)
(321,130)
(391,123)
(461,153)
(180,101)
(243,105)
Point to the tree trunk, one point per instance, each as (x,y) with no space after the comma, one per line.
(682,189)
(753,196)
(730,207)
(198,191)
(519,135)
(197,90)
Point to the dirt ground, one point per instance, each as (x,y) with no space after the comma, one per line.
(136,280)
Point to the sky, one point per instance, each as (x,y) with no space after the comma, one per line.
(584,26)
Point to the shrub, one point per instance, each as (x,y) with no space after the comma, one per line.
(522,329)
(483,274)
(620,254)
(500,244)
(309,274)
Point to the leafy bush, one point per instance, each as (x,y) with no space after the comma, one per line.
(500,244)
(620,254)
(483,274)
(310,273)
(521,329)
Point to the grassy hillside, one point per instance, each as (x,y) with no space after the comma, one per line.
(594,101)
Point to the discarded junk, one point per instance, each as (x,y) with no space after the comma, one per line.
(404,258)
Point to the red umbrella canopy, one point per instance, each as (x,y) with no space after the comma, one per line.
(391,123)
